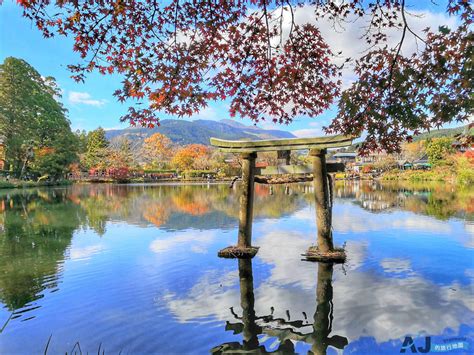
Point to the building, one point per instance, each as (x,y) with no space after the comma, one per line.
(373,157)
(344,157)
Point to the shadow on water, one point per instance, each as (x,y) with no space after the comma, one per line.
(316,334)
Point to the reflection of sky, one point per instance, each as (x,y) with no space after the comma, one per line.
(165,291)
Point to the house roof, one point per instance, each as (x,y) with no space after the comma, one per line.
(345,155)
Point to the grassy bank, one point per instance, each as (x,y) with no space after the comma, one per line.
(459,170)
(17,184)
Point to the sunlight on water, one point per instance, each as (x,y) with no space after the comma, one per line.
(135,269)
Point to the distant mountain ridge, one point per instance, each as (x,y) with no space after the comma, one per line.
(444,132)
(198,132)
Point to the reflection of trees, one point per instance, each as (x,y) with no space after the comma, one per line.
(192,201)
(266,204)
(285,331)
(156,213)
(176,206)
(37,229)
(441,201)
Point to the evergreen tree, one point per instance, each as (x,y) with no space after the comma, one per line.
(96,153)
(126,152)
(82,140)
(32,119)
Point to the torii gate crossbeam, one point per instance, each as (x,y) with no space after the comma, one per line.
(317,147)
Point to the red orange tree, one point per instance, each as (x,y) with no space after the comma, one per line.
(157,150)
(178,55)
(186,156)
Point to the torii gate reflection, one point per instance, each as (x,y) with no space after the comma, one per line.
(286,331)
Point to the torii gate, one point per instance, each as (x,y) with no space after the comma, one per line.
(317,147)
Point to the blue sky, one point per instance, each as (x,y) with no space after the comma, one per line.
(92,104)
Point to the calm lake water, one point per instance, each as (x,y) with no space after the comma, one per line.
(134,269)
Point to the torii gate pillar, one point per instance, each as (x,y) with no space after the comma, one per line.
(324,250)
(246,200)
(244,247)
(322,200)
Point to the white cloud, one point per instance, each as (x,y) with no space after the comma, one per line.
(197,242)
(396,265)
(346,37)
(85,253)
(85,98)
(207,113)
(345,222)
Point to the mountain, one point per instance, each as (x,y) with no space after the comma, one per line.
(187,132)
(445,132)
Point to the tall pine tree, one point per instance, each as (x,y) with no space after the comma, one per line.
(96,153)
(32,120)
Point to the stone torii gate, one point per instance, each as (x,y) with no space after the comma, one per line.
(325,250)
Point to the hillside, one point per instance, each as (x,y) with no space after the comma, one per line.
(188,132)
(444,132)
(435,133)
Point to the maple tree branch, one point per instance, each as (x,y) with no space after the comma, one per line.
(400,44)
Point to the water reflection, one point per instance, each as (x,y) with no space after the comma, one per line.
(36,226)
(409,269)
(437,200)
(286,331)
(37,229)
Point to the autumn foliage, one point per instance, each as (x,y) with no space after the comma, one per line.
(180,55)
(157,149)
(185,156)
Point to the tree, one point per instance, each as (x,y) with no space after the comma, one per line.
(32,119)
(438,149)
(157,150)
(56,161)
(413,151)
(121,155)
(270,158)
(180,55)
(82,140)
(186,156)
(96,153)
(389,162)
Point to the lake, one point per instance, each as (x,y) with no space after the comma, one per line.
(134,269)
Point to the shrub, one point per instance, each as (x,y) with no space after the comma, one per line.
(6,185)
(367,168)
(438,149)
(159,171)
(198,173)
(464,169)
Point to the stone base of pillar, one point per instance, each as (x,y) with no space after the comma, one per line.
(338,255)
(235,252)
